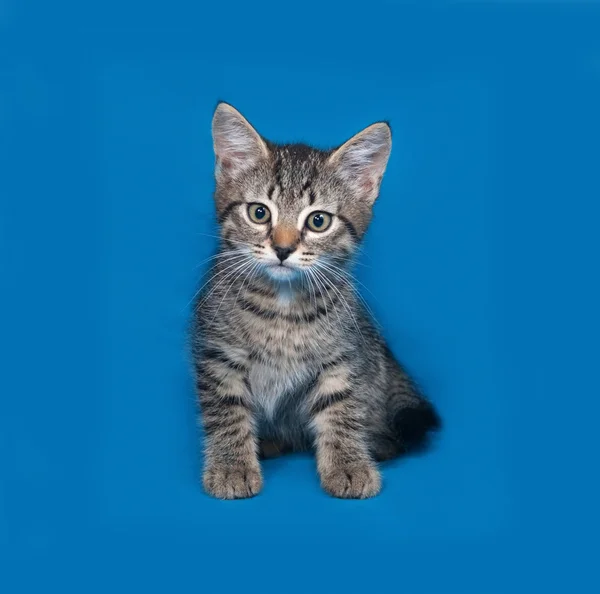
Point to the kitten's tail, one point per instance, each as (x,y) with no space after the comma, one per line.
(413,422)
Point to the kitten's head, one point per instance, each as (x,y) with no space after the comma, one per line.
(293,207)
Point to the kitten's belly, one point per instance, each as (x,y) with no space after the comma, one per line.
(272,383)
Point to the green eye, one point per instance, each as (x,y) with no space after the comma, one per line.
(259,213)
(318,221)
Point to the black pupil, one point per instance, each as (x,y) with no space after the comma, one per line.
(318,220)
(259,213)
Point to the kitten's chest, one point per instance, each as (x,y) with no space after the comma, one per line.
(272,384)
(286,347)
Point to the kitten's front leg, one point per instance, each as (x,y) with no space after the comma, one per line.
(338,419)
(231,469)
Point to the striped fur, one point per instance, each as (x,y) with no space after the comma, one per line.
(286,356)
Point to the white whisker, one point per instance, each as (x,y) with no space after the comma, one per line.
(232,282)
(343,299)
(237,241)
(237,265)
(343,275)
(249,277)
(222,254)
(306,276)
(227,260)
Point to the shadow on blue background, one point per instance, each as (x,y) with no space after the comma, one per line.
(482,263)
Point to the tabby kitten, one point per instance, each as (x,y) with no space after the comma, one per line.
(286,357)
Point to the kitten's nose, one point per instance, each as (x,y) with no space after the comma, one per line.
(283,252)
(284,240)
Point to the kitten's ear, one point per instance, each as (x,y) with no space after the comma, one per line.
(238,146)
(361,161)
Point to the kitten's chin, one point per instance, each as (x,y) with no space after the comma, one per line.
(281,273)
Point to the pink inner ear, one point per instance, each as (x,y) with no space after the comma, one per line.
(228,163)
(367,185)
(240,155)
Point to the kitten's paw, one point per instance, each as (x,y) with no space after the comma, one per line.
(353,481)
(225,481)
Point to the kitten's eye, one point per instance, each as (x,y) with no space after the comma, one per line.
(259,213)
(318,221)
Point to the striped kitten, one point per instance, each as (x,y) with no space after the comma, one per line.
(286,358)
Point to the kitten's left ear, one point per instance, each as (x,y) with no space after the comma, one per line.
(361,161)
(238,146)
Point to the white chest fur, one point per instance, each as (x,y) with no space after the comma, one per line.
(269,384)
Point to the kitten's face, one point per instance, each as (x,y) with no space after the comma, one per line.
(293,208)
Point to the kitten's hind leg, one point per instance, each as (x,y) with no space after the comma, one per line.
(384,448)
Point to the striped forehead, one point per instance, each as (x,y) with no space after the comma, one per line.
(295,171)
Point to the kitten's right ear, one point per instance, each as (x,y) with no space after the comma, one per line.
(361,161)
(238,146)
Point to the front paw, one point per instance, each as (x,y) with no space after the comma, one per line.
(226,481)
(352,481)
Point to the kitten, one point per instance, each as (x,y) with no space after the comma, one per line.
(285,356)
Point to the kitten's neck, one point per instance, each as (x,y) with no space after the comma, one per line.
(287,292)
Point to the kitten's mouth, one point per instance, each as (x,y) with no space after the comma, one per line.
(280,271)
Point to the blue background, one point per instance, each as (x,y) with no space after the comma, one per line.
(482,262)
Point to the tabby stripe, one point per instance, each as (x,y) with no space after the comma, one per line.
(273,358)
(278,173)
(260,357)
(225,427)
(213,424)
(217,406)
(343,426)
(312,197)
(234,430)
(231,400)
(210,425)
(307,317)
(217,355)
(224,417)
(212,387)
(309,386)
(344,453)
(258,290)
(215,374)
(328,400)
(207,382)
(247,384)
(240,438)
(329,299)
(228,209)
(349,227)
(258,311)
(335,362)
(269,314)
(202,385)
